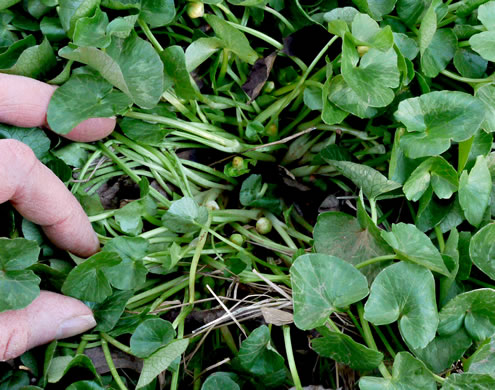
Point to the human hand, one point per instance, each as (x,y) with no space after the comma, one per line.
(41,197)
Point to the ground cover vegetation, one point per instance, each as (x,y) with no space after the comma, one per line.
(298,192)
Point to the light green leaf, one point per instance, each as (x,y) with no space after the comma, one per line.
(91,30)
(200,50)
(345,350)
(344,97)
(435,171)
(321,285)
(157,13)
(408,374)
(81,98)
(405,292)
(368,179)
(132,65)
(411,244)
(407,46)
(185,216)
(129,218)
(70,11)
(341,235)
(87,281)
(233,39)
(436,118)
(160,361)
(340,19)
(482,361)
(427,29)
(151,335)
(484,44)
(375,76)
(376,8)
(220,380)
(475,310)
(439,53)
(367,32)
(443,351)
(486,15)
(486,94)
(482,250)
(468,381)
(474,191)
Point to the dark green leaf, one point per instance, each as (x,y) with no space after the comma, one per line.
(91,30)
(157,13)
(469,64)
(481,250)
(174,62)
(151,335)
(483,360)
(33,137)
(321,285)
(61,365)
(220,380)
(109,311)
(439,53)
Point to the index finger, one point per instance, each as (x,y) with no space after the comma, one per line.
(24,102)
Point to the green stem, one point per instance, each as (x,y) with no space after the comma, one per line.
(438,378)
(384,341)
(115,343)
(455,76)
(480,283)
(355,322)
(224,67)
(150,35)
(81,347)
(111,365)
(277,14)
(368,337)
(259,35)
(333,326)
(229,340)
(375,260)
(290,357)
(441,241)
(195,260)
(374,214)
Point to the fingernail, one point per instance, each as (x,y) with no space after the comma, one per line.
(75,326)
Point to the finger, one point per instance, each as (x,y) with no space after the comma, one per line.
(24,102)
(37,193)
(50,316)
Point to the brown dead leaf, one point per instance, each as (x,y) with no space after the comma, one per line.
(258,76)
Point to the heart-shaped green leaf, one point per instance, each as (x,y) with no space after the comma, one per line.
(482,249)
(434,119)
(321,284)
(468,381)
(151,335)
(184,216)
(411,244)
(405,292)
(483,360)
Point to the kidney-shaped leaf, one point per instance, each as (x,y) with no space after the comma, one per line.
(408,374)
(474,309)
(221,380)
(344,349)
(482,250)
(468,381)
(184,216)
(411,244)
(405,292)
(321,284)
(434,119)
(151,335)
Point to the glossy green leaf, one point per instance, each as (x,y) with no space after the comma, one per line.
(482,361)
(151,335)
(131,272)
(367,32)
(157,13)
(372,76)
(61,365)
(177,75)
(252,194)
(405,292)
(95,98)
(71,11)
(340,19)
(407,46)
(258,357)
(486,94)
(130,64)
(410,244)
(87,281)
(469,64)
(482,250)
(220,380)
(427,29)
(341,235)
(439,52)
(143,132)
(200,50)
(443,351)
(91,30)
(368,179)
(347,100)
(483,44)
(33,137)
(185,216)
(344,349)
(84,385)
(468,381)
(474,191)
(232,39)
(475,310)
(408,374)
(129,218)
(376,8)
(108,312)
(434,119)
(434,171)
(321,284)
(160,360)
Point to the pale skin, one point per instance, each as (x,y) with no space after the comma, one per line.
(41,197)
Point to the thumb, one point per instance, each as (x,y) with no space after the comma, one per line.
(50,316)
